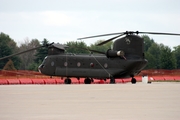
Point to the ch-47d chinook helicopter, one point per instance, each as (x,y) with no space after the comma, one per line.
(125,59)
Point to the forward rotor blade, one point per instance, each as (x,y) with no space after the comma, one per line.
(100,35)
(110,39)
(159,33)
(19,53)
(47,45)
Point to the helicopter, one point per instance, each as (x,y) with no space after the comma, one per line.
(124,60)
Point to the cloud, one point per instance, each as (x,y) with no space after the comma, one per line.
(69,25)
(55,18)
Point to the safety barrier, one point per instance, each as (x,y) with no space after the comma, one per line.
(81,80)
(59,81)
(13,81)
(55,81)
(157,78)
(38,81)
(3,82)
(50,81)
(25,81)
(177,78)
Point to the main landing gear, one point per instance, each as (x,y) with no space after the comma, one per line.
(90,80)
(87,81)
(112,80)
(133,80)
(67,81)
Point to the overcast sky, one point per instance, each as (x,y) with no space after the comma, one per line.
(66,20)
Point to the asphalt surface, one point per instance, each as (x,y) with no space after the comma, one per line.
(156,101)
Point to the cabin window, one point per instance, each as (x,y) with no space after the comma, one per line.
(52,63)
(65,64)
(105,65)
(91,64)
(78,64)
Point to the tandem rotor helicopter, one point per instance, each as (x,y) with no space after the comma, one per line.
(125,59)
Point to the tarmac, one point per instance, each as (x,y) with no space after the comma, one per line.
(156,101)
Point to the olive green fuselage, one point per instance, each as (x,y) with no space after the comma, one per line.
(92,66)
(125,59)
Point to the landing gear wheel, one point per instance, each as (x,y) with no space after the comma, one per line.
(133,80)
(67,81)
(87,81)
(112,80)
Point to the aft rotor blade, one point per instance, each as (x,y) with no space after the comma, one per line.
(159,33)
(25,51)
(100,35)
(109,40)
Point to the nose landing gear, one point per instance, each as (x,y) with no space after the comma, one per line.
(133,80)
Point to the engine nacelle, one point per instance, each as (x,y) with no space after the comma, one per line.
(111,53)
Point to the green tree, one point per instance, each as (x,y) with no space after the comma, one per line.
(8,47)
(102,48)
(76,47)
(34,66)
(147,42)
(177,55)
(28,57)
(167,58)
(160,56)
(41,52)
(153,56)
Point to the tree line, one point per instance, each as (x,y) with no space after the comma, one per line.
(159,56)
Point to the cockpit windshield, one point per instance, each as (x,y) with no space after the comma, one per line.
(112,46)
(44,60)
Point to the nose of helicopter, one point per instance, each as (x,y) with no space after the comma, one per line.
(40,68)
